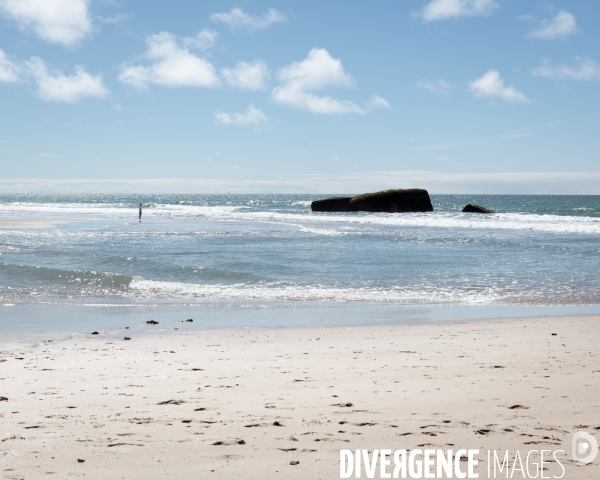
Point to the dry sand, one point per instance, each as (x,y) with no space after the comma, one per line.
(223,404)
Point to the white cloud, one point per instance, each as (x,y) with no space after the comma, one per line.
(238,19)
(447,9)
(378,102)
(173,64)
(204,40)
(65,22)
(54,86)
(491,85)
(561,25)
(248,75)
(117,19)
(9,72)
(437,87)
(252,116)
(586,70)
(315,72)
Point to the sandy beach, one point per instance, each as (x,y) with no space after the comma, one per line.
(281,403)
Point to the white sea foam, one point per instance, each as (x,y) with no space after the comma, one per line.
(140,287)
(505,221)
(308,221)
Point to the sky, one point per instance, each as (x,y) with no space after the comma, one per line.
(455,96)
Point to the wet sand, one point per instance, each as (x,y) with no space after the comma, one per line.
(4,223)
(251,403)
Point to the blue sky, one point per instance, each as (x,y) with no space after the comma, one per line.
(457,96)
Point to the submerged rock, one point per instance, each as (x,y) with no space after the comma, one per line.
(390,201)
(476,209)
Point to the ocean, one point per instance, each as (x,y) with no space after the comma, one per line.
(267,251)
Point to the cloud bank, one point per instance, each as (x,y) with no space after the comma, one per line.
(436,182)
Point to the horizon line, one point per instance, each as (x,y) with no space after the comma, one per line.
(435,182)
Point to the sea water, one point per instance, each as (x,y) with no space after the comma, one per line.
(271,250)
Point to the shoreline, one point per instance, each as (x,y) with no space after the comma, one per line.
(84,318)
(180,402)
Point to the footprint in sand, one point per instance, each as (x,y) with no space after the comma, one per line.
(121,444)
(232,441)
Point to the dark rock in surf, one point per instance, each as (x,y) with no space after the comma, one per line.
(476,209)
(390,201)
(335,204)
